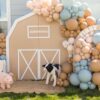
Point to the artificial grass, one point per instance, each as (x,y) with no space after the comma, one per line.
(71,93)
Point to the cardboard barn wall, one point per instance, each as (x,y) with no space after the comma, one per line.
(19,40)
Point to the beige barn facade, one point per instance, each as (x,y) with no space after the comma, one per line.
(31,43)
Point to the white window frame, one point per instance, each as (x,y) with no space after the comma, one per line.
(7,11)
(38,31)
(8,17)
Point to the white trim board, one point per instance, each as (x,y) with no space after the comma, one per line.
(9,14)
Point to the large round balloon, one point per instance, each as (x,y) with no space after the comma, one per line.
(2,57)
(92,86)
(65,15)
(96,38)
(74,79)
(87,47)
(84,86)
(85,75)
(83,62)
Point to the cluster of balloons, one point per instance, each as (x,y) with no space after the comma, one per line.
(79,48)
(49,10)
(86,71)
(2,46)
(82,79)
(73,10)
(75,17)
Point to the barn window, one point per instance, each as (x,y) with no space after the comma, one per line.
(3,9)
(38,31)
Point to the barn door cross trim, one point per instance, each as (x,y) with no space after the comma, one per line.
(38,53)
(27,63)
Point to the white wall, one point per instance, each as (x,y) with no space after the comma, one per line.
(95,6)
(18,9)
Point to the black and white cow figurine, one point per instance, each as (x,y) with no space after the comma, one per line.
(52,70)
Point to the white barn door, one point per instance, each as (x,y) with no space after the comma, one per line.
(30,62)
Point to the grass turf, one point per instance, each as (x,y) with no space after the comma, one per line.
(71,93)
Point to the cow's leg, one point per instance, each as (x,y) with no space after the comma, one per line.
(48,77)
(54,77)
(55,80)
(51,78)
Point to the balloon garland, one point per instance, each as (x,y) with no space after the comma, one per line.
(86,58)
(2,46)
(50,10)
(74,17)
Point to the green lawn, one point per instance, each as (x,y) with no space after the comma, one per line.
(72,93)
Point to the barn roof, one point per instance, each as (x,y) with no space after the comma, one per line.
(17,21)
(10,33)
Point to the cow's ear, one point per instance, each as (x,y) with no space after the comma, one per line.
(43,65)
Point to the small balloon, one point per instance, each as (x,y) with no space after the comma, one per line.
(65,15)
(29,4)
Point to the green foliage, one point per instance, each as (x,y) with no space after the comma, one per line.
(71,93)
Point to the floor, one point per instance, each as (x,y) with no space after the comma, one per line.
(33,86)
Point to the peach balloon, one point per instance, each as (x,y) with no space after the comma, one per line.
(95,52)
(95,66)
(56,16)
(1,51)
(86,49)
(29,4)
(59,8)
(83,25)
(49,19)
(77,50)
(67,68)
(63,76)
(81,20)
(45,12)
(87,55)
(91,20)
(77,58)
(96,78)
(67,34)
(98,46)
(88,12)
(66,83)
(78,44)
(72,24)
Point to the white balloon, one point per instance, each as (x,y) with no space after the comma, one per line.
(71,40)
(85,5)
(65,44)
(29,4)
(70,47)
